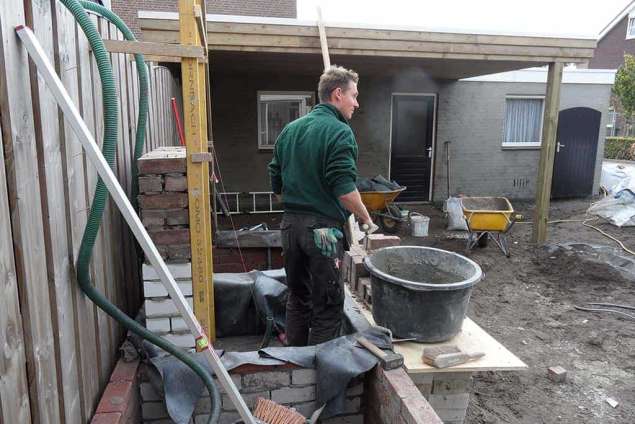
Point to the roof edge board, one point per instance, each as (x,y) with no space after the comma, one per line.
(145,14)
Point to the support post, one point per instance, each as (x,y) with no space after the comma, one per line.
(195,120)
(547,152)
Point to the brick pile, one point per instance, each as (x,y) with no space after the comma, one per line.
(352,270)
(163,201)
(286,385)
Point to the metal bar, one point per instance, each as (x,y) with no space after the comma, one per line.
(46,70)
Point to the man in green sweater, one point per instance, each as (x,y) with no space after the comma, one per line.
(313,171)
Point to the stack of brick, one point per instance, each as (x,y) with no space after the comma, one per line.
(163,201)
(286,385)
(447,392)
(354,273)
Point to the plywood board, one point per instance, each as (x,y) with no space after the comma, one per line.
(472,338)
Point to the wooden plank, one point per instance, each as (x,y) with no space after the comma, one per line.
(77,207)
(368,33)
(196,142)
(547,153)
(54,204)
(159,49)
(14,389)
(22,180)
(92,112)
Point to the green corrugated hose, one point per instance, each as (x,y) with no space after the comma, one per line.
(109,98)
(142,71)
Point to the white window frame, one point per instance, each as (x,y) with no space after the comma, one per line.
(630,23)
(280,95)
(524,145)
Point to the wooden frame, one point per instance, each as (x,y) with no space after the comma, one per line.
(157,49)
(298,94)
(524,145)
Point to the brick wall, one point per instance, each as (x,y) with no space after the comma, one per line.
(609,53)
(127,9)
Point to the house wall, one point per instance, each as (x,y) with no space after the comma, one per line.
(127,9)
(471,117)
(609,53)
(469,114)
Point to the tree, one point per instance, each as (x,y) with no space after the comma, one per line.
(624,87)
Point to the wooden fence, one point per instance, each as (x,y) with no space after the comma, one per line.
(58,349)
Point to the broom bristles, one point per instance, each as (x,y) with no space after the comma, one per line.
(272,413)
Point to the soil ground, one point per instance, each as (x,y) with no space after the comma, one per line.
(527,303)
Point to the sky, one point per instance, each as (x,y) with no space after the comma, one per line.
(547,17)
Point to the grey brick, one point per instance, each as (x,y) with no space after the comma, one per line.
(249,398)
(288,395)
(303,377)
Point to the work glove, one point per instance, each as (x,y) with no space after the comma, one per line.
(326,240)
(369,228)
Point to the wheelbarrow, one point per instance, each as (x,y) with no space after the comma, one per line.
(382,209)
(488,218)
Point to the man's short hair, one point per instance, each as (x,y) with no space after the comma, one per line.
(335,77)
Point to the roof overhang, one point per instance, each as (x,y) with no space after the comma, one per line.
(448,55)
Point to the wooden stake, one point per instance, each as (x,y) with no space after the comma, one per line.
(325,48)
(547,153)
(195,120)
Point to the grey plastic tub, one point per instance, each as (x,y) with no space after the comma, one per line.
(421,292)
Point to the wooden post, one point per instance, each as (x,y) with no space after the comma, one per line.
(195,123)
(547,153)
(324,46)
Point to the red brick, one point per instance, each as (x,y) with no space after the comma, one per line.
(115,397)
(163,201)
(167,237)
(162,165)
(175,183)
(180,253)
(153,217)
(377,241)
(151,184)
(108,418)
(177,217)
(125,371)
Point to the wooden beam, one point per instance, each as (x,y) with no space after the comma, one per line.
(323,44)
(547,153)
(195,128)
(159,49)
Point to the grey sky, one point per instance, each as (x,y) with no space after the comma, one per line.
(548,17)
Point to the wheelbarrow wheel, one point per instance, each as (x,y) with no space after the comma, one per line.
(483,239)
(389,224)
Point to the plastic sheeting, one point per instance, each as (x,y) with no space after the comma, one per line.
(377,183)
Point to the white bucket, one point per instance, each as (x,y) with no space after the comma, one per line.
(420,224)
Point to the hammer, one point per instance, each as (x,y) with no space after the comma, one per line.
(388,360)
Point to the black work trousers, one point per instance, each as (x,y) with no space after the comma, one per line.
(316,294)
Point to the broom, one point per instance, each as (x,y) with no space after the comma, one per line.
(271,413)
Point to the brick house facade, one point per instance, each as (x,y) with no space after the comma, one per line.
(127,9)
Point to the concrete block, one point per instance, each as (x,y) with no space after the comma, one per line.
(178,271)
(185,340)
(149,393)
(163,200)
(262,381)
(178,325)
(169,236)
(163,307)
(557,374)
(289,395)
(378,241)
(177,216)
(236,378)
(156,289)
(150,184)
(175,182)
(153,410)
(449,402)
(452,383)
(249,398)
(158,325)
(303,377)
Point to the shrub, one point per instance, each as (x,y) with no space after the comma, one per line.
(620,148)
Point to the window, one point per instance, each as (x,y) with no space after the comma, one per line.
(630,28)
(277,109)
(523,121)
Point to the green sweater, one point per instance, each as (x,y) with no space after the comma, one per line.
(314,163)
